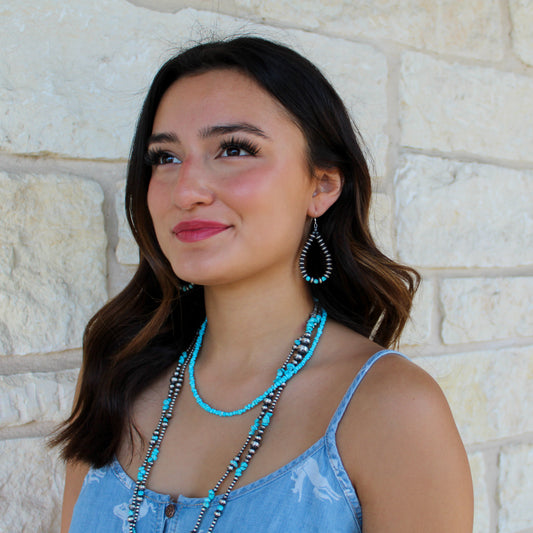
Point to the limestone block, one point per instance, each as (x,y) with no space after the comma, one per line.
(516,489)
(481,493)
(453,214)
(31,487)
(471,29)
(490,392)
(81,95)
(477,309)
(418,328)
(522,22)
(42,397)
(52,261)
(127,251)
(458,108)
(381,222)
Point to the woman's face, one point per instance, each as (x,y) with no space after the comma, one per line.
(230,186)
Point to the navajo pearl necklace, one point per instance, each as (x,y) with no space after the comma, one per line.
(302,350)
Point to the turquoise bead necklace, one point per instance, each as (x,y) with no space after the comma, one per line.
(283,375)
(302,350)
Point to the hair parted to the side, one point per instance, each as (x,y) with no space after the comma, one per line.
(139,333)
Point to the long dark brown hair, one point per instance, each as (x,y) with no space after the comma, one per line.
(135,337)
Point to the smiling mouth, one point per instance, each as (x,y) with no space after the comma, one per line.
(198,230)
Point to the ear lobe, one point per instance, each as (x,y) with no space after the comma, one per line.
(328,188)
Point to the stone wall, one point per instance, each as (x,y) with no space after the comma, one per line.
(443,94)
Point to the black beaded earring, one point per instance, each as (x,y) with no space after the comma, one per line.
(315,236)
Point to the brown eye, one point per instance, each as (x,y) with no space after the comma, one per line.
(233,151)
(167,159)
(155,158)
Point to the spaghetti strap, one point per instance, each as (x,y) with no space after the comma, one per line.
(332,451)
(337,416)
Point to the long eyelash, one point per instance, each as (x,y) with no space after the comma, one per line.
(243,144)
(153,156)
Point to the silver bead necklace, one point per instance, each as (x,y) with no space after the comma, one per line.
(302,350)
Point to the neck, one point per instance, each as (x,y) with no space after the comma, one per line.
(252,325)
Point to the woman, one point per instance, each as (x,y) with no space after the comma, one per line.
(240,381)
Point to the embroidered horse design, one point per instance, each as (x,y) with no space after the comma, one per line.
(121,511)
(321,487)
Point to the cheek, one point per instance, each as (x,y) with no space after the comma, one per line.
(155,199)
(279,183)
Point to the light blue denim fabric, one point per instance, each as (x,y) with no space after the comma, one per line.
(312,493)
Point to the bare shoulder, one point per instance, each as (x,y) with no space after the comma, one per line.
(402,451)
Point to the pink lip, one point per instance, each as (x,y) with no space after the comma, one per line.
(197,230)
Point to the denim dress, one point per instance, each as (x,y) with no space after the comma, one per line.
(312,493)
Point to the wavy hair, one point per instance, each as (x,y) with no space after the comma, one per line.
(135,337)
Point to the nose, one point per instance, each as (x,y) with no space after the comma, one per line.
(191,188)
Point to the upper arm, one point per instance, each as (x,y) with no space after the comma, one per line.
(75,474)
(403,453)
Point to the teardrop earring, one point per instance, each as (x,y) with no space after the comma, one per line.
(315,236)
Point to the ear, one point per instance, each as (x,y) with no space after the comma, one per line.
(328,187)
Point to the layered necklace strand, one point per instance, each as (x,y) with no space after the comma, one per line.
(302,350)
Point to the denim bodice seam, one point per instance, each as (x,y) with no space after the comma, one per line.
(185,501)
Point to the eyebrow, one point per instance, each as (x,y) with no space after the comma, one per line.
(210,131)
(162,138)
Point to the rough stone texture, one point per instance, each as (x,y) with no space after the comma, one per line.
(381,222)
(481,495)
(36,397)
(78,81)
(516,489)
(477,309)
(127,251)
(471,29)
(80,95)
(418,328)
(451,107)
(490,392)
(453,214)
(31,487)
(52,261)
(522,22)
